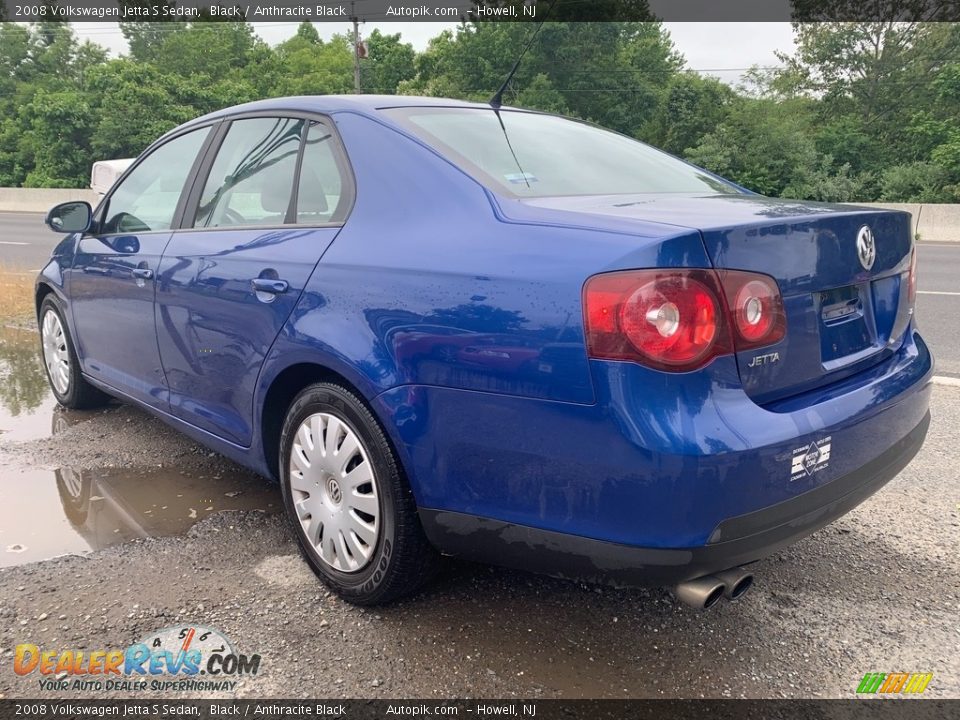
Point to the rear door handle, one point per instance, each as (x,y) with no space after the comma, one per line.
(274,287)
(144,273)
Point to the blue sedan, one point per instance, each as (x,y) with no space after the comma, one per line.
(452,328)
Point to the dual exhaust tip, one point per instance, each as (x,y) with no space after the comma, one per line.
(706,591)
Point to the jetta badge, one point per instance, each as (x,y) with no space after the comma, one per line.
(866,247)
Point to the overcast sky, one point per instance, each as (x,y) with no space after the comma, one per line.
(710,47)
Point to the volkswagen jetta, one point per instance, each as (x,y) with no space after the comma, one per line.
(452,328)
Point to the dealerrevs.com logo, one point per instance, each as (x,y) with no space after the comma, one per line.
(168,660)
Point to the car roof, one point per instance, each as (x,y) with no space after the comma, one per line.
(326,104)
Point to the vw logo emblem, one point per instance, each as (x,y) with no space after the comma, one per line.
(866,247)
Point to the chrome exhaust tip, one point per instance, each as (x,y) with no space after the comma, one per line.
(702,592)
(737,582)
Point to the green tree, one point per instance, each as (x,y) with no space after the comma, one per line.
(44,141)
(766,146)
(860,111)
(209,48)
(137,104)
(692,106)
(57,128)
(144,38)
(818,177)
(389,62)
(540,94)
(314,67)
(14,52)
(611,72)
(308,33)
(924,182)
(872,80)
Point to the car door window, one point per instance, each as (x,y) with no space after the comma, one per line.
(251,180)
(320,190)
(147,198)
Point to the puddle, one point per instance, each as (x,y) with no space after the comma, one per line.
(49,512)
(28,410)
(26,404)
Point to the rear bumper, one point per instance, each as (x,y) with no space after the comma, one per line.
(735,541)
(665,477)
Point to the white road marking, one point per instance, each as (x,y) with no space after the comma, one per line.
(11,242)
(944,380)
(936,292)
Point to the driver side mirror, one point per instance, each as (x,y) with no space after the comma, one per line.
(70,217)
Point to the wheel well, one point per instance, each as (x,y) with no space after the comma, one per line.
(42,291)
(285,387)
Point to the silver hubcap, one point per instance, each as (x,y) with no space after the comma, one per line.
(72,481)
(334,492)
(55,353)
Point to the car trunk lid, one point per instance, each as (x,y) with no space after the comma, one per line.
(843,314)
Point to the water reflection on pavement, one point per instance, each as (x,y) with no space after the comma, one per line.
(58,508)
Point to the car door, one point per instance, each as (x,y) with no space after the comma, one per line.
(111,281)
(264,209)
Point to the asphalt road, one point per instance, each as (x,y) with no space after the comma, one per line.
(938,303)
(25,242)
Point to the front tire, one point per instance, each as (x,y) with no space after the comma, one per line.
(348,500)
(60,360)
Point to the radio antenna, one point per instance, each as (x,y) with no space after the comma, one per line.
(497,100)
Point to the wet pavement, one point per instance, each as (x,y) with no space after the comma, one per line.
(51,507)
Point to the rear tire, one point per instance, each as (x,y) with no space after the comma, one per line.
(348,500)
(60,360)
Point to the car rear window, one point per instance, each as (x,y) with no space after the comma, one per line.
(528,154)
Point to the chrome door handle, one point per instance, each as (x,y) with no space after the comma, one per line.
(274,287)
(142,273)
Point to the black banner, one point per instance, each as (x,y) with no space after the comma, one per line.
(873,709)
(477,10)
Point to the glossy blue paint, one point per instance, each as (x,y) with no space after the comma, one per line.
(656,462)
(51,275)
(484,305)
(113,313)
(214,330)
(457,314)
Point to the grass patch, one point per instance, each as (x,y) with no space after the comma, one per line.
(16,295)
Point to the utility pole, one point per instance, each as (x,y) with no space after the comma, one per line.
(356,49)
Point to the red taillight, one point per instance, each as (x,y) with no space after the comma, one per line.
(680,319)
(757,308)
(672,320)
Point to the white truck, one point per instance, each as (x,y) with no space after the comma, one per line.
(106,172)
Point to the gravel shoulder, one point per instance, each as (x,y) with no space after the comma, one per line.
(118,436)
(878,591)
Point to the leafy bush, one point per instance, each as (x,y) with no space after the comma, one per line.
(923,182)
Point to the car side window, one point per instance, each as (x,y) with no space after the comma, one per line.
(320,191)
(251,180)
(147,198)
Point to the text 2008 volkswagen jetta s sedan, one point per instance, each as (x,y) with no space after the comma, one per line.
(499,334)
